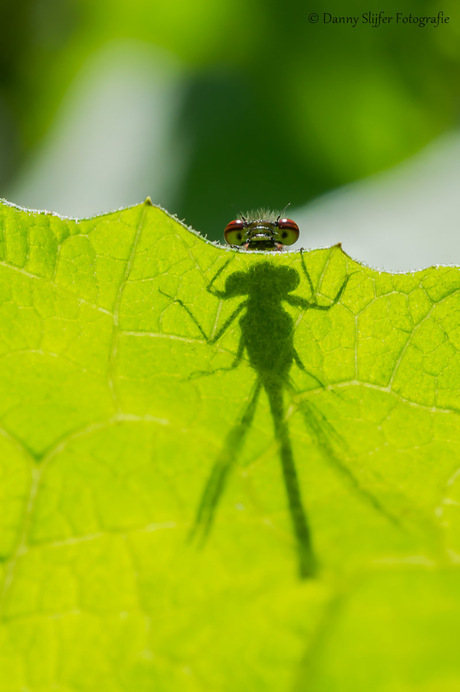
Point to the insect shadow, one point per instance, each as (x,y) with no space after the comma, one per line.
(267,337)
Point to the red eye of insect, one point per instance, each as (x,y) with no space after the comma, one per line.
(234,232)
(288,231)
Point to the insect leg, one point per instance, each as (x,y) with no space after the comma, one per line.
(223,465)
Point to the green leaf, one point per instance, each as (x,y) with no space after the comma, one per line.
(175,519)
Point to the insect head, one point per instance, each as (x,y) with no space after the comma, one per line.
(261,230)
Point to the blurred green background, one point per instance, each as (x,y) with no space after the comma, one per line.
(215,108)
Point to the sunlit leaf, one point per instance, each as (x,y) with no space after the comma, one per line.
(177,513)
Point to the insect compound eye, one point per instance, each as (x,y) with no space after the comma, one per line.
(234,232)
(288,231)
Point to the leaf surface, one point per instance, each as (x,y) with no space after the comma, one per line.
(137,387)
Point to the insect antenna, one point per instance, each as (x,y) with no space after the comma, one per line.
(282,211)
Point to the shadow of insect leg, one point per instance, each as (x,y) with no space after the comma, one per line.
(218,478)
(302,367)
(188,311)
(306,273)
(306,558)
(298,301)
(235,363)
(210,286)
